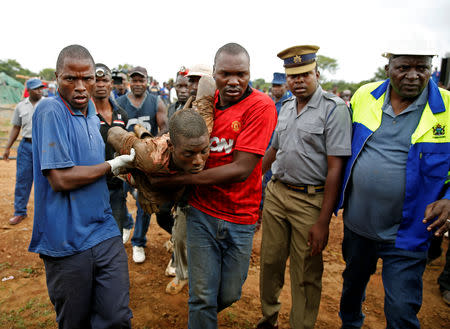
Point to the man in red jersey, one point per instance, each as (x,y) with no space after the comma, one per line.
(225,201)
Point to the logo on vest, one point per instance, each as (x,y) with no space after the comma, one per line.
(236,126)
(221,145)
(439,130)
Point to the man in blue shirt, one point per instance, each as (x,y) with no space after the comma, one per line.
(149,111)
(74,230)
(395,192)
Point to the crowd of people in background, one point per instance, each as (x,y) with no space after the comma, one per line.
(283,159)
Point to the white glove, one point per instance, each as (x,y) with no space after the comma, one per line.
(122,161)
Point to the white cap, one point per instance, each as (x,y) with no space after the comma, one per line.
(409,52)
(200,70)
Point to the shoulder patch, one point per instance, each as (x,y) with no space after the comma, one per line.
(288,99)
(332,97)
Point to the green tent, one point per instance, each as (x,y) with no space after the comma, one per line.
(11,90)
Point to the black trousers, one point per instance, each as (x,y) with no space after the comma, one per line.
(90,290)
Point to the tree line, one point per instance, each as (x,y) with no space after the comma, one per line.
(326,65)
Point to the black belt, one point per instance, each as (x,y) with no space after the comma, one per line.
(26,139)
(304,188)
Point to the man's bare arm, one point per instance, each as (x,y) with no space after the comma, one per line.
(269,158)
(318,234)
(12,138)
(72,178)
(67,179)
(161,118)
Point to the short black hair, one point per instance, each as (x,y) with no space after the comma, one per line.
(73,51)
(187,123)
(232,49)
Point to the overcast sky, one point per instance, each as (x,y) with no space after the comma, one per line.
(164,35)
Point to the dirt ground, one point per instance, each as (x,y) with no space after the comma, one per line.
(24,302)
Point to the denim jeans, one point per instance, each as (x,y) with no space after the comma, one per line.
(128,223)
(24,177)
(140,227)
(119,206)
(402,280)
(218,260)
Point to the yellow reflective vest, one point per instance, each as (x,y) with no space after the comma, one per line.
(428,164)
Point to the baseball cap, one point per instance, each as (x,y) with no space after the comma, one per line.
(34,83)
(138,70)
(200,70)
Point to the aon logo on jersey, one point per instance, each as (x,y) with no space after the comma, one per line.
(221,145)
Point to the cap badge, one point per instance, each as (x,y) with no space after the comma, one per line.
(297,59)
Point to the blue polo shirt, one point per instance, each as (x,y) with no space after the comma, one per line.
(66,223)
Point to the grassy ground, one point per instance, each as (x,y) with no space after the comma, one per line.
(39,310)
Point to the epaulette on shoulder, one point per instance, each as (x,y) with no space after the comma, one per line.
(288,99)
(334,98)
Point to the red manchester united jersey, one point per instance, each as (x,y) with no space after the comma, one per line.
(247,127)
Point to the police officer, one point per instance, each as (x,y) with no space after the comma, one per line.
(24,173)
(279,92)
(309,147)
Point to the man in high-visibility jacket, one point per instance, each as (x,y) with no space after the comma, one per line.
(395,193)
